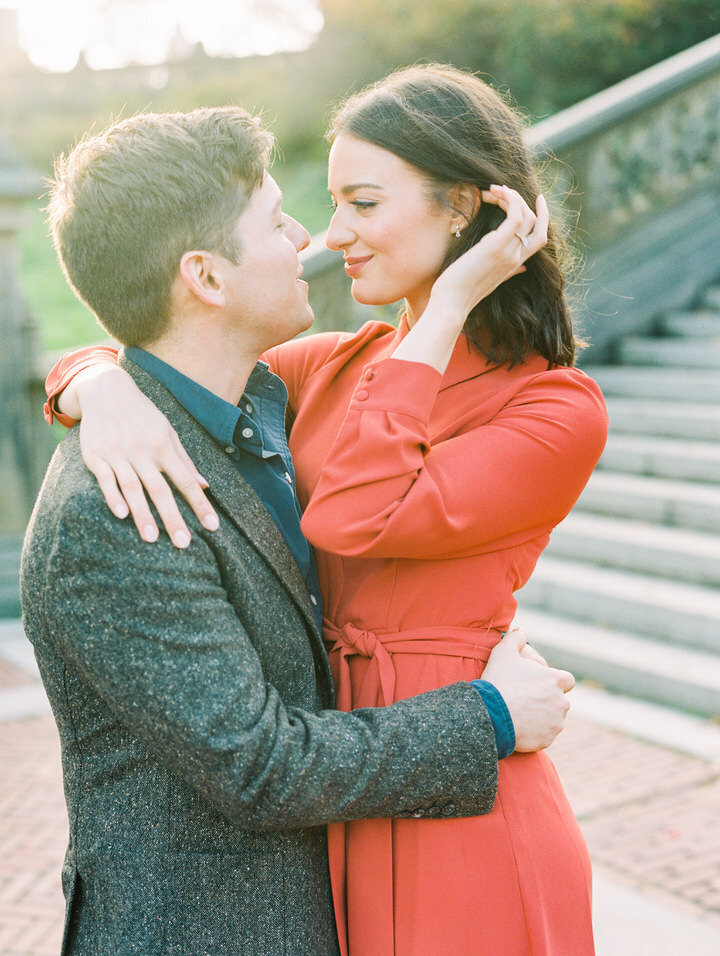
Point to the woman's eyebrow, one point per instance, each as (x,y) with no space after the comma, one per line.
(346,190)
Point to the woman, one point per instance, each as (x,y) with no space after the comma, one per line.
(432,462)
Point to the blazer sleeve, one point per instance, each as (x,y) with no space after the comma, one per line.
(389,488)
(169,655)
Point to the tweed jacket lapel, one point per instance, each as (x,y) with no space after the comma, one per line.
(231,493)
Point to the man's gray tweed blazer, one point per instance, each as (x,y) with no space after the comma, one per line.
(201,754)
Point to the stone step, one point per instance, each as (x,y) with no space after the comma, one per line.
(639,546)
(10,547)
(702,324)
(656,608)
(641,667)
(636,381)
(711,298)
(672,419)
(662,457)
(9,600)
(691,505)
(690,352)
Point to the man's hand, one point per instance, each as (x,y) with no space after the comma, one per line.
(533,692)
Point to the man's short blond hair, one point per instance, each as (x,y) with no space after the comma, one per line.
(126,204)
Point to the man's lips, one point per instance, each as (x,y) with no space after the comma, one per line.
(355,264)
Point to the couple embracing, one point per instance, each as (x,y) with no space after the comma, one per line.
(292,724)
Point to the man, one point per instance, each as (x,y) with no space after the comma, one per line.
(201,753)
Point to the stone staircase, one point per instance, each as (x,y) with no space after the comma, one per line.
(627,594)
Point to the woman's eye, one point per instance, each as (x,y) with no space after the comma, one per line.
(363,204)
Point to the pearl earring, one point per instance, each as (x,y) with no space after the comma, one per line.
(458,233)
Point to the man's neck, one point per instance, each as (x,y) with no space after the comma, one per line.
(224,371)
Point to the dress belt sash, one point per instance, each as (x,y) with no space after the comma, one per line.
(380,646)
(378,687)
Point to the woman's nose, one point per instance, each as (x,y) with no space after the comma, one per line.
(338,236)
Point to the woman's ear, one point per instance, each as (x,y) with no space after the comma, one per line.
(199,274)
(465,200)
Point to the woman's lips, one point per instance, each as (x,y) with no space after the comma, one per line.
(355,265)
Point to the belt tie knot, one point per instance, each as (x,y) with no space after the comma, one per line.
(359,641)
(349,641)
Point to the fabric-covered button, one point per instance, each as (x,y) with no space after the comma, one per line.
(370,374)
(361,395)
(247,433)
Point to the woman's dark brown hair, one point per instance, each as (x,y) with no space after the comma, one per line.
(456,129)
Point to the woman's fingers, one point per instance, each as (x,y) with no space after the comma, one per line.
(121,486)
(182,472)
(524,230)
(138,455)
(105,478)
(149,479)
(128,481)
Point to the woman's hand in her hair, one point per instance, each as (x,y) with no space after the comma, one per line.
(499,255)
(129,445)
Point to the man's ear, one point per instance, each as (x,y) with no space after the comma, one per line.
(465,200)
(199,274)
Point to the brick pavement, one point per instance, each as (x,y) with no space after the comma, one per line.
(650,817)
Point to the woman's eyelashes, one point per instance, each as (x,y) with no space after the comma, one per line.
(360,204)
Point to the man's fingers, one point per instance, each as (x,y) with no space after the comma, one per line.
(566,681)
(531,654)
(516,639)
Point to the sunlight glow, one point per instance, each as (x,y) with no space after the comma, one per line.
(114,33)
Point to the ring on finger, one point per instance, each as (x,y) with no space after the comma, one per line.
(525,240)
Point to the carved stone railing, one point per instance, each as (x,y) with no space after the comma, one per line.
(637,167)
(637,170)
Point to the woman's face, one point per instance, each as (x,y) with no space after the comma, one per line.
(394,236)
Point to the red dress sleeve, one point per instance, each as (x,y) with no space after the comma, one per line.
(390,489)
(64,371)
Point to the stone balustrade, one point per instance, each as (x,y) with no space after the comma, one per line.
(635,169)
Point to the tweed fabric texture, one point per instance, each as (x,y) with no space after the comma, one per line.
(193,697)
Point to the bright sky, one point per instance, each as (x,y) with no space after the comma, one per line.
(116,32)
